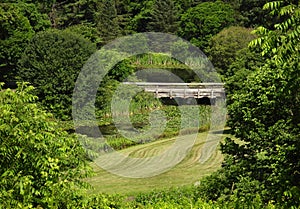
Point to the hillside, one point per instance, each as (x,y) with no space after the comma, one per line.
(187,172)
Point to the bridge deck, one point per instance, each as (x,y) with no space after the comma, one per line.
(182,90)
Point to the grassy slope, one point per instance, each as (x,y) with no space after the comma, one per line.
(187,172)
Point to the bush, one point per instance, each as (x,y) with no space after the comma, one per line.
(176,197)
(198,24)
(191,197)
(40,165)
(226,45)
(51,62)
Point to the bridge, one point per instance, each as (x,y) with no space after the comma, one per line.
(199,91)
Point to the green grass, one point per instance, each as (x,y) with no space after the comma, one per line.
(187,172)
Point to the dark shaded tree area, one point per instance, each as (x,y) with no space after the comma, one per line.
(103,21)
(18,24)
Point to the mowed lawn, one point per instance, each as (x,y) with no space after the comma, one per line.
(187,172)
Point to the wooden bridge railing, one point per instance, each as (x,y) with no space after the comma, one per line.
(182,90)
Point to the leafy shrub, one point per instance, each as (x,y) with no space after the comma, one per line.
(97,201)
(51,62)
(226,45)
(215,185)
(87,31)
(191,197)
(180,197)
(40,164)
(246,62)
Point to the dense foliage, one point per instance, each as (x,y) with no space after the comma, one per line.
(41,165)
(51,62)
(225,46)
(18,23)
(200,23)
(264,115)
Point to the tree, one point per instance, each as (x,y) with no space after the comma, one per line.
(282,42)
(88,31)
(163,17)
(246,62)
(253,14)
(185,4)
(51,62)
(198,24)
(225,46)
(74,12)
(265,116)
(18,24)
(140,21)
(126,10)
(63,14)
(106,21)
(41,166)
